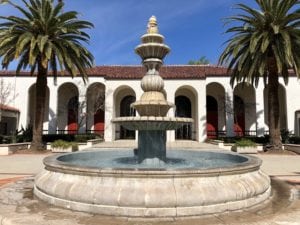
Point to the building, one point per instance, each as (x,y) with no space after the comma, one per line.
(200,92)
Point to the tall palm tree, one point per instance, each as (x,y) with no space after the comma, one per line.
(44,39)
(265,44)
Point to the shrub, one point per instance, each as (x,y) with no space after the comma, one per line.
(64,145)
(245,143)
(285,136)
(24,135)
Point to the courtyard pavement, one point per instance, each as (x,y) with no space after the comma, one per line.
(16,180)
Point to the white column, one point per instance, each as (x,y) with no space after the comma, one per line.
(53,102)
(109,130)
(260,113)
(201,117)
(171,113)
(229,112)
(82,112)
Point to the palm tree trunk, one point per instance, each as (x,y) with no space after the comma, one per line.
(273,106)
(40,97)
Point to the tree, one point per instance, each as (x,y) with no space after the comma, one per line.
(44,39)
(202,61)
(7,94)
(265,43)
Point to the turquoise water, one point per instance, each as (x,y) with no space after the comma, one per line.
(176,159)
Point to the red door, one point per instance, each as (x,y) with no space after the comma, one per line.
(72,122)
(99,122)
(212,124)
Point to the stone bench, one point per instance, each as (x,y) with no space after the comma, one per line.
(7,149)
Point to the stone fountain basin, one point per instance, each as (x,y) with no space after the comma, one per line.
(152,122)
(146,192)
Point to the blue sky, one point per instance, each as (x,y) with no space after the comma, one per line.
(192,28)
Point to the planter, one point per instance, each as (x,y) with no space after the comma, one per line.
(62,150)
(245,150)
(64,146)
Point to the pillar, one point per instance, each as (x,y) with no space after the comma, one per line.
(229,97)
(260,113)
(53,103)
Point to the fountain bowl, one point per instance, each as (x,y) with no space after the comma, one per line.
(152,122)
(126,188)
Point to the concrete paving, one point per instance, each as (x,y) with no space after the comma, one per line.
(20,165)
(19,207)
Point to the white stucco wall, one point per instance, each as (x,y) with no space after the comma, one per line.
(198,87)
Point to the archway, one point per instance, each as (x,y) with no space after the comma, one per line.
(183,109)
(215,110)
(124,96)
(244,104)
(96,108)
(126,110)
(67,109)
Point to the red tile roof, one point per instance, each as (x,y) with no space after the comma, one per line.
(137,72)
(8,108)
(167,72)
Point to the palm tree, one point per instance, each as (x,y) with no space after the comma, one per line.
(44,39)
(265,44)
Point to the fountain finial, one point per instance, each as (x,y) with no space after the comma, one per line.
(152,26)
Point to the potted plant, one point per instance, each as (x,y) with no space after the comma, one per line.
(64,146)
(244,146)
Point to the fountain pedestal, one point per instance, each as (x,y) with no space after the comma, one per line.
(152,147)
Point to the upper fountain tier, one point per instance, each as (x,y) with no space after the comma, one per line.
(152,51)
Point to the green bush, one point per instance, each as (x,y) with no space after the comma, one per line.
(64,145)
(258,140)
(245,143)
(285,136)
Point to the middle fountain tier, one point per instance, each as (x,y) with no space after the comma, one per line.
(152,122)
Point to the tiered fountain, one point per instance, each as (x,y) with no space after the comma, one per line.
(153,107)
(153,183)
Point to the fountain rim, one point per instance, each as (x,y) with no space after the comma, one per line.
(53,164)
(152,119)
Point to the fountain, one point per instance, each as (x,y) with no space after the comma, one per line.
(152,183)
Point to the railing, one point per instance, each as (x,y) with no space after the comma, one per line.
(221,133)
(77,132)
(216,134)
(245,133)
